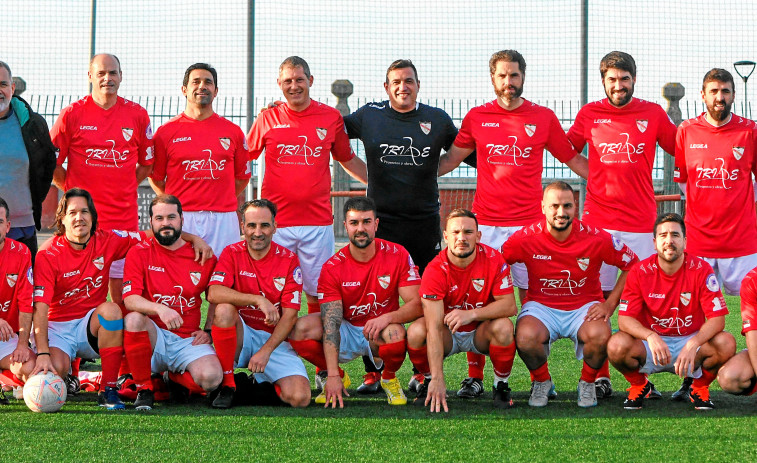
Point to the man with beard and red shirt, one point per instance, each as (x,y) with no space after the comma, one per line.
(359,289)
(622,133)
(201,158)
(257,285)
(467,295)
(738,375)
(509,135)
(163,286)
(564,298)
(671,318)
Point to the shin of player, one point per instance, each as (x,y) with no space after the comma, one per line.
(738,376)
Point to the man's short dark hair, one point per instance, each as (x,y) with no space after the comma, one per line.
(165,199)
(511,56)
(669,217)
(60,229)
(401,64)
(4,205)
(460,212)
(559,185)
(359,204)
(293,62)
(3,64)
(718,75)
(617,60)
(203,66)
(259,203)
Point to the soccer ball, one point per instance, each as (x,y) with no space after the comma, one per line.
(45,393)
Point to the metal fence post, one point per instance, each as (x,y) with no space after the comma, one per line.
(342,89)
(672,92)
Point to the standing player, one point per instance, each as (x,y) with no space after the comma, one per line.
(163,285)
(622,133)
(201,158)
(467,295)
(509,135)
(16,359)
(738,375)
(297,138)
(671,319)
(563,257)
(257,285)
(107,141)
(359,289)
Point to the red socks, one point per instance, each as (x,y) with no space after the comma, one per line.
(393,354)
(636,378)
(314,307)
(225,341)
(419,359)
(540,374)
(110,358)
(588,373)
(476,363)
(139,354)
(502,359)
(310,350)
(185,379)
(703,381)
(6,377)
(604,370)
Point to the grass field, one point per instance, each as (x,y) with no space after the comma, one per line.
(369,429)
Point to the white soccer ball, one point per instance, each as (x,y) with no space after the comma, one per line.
(45,393)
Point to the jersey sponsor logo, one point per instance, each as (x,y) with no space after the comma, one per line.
(30,276)
(432,297)
(278,282)
(542,257)
(225,142)
(507,154)
(127,133)
(490,124)
(583,263)
(247,274)
(5,306)
(506,282)
(298,154)
(384,280)
(175,301)
(557,286)
(530,129)
(617,244)
(126,288)
(656,296)
(203,169)
(717,304)
(121,233)
(465,305)
(603,121)
(712,283)
(716,177)
(372,307)
(72,273)
(195,277)
(642,124)
(181,139)
(425,127)
(89,283)
(620,152)
(698,146)
(281,126)
(685,298)
(412,274)
(623,306)
(321,132)
(478,284)
(218,277)
(453,289)
(99,262)
(673,322)
(155,268)
(88,127)
(738,152)
(148,132)
(349,284)
(11,278)
(403,155)
(106,157)
(39,291)
(297,275)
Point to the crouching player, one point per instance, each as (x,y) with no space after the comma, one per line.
(257,285)
(359,290)
(467,295)
(162,290)
(671,318)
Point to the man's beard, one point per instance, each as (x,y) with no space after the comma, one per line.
(167,240)
(358,244)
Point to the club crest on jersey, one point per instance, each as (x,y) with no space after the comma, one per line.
(195,277)
(738,152)
(321,132)
(583,263)
(127,133)
(11,278)
(225,142)
(384,280)
(478,284)
(642,125)
(278,282)
(530,129)
(425,127)
(99,262)
(685,298)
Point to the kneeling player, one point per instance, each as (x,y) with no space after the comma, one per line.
(359,291)
(257,285)
(671,318)
(162,289)
(467,295)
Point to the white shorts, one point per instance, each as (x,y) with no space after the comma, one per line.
(218,229)
(642,244)
(283,361)
(560,323)
(117,269)
(463,342)
(353,344)
(72,337)
(314,245)
(731,271)
(174,353)
(675,344)
(495,237)
(7,347)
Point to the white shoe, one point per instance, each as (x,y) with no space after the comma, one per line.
(587,394)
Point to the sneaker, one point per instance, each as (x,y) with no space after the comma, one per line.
(470,388)
(320,379)
(18,393)
(654,394)
(636,394)
(73,385)
(224,399)
(502,395)
(700,397)
(145,400)
(122,379)
(587,394)
(3,400)
(422,392)
(541,392)
(603,388)
(394,394)
(684,393)
(109,399)
(415,382)
(321,398)
(371,383)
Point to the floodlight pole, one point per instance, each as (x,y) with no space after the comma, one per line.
(747,68)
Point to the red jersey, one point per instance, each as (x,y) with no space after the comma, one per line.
(565,275)
(200,162)
(467,288)
(717,164)
(171,278)
(16,287)
(103,147)
(622,146)
(749,302)
(277,277)
(297,176)
(73,281)
(672,305)
(510,153)
(367,289)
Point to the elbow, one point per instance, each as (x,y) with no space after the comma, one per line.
(213,296)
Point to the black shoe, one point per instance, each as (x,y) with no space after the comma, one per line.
(701,399)
(109,399)
(654,394)
(684,393)
(603,386)
(502,395)
(470,388)
(371,383)
(3,400)
(73,385)
(177,393)
(422,393)
(122,379)
(224,398)
(145,399)
(636,396)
